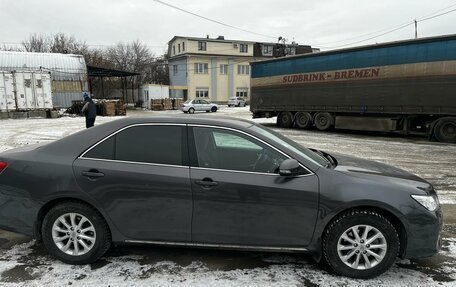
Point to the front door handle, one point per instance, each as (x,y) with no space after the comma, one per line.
(206,182)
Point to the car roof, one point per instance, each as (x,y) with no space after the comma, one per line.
(188,119)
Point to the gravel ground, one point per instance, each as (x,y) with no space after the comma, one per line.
(23,262)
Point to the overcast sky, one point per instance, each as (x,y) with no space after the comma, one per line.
(327,24)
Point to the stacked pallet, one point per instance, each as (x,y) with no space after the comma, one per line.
(109,109)
(177,103)
(105,107)
(165,104)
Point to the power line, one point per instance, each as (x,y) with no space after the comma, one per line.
(438,15)
(389,30)
(212,20)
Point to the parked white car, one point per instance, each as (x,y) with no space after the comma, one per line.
(236,102)
(191,106)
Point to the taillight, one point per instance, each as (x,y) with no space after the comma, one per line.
(3,165)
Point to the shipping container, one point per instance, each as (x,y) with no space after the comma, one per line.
(68,74)
(407,87)
(25,90)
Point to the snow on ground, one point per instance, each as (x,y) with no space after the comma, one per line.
(27,263)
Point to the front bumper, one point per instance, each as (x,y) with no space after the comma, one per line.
(423,234)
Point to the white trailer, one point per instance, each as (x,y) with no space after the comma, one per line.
(25,90)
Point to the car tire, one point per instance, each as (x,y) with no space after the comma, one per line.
(343,248)
(191,111)
(285,120)
(213,109)
(71,226)
(445,130)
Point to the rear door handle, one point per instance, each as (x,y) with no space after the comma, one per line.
(206,182)
(91,174)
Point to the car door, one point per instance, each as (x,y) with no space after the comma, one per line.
(205,105)
(140,177)
(240,199)
(197,105)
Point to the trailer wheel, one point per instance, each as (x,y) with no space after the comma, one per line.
(285,120)
(303,120)
(445,130)
(323,121)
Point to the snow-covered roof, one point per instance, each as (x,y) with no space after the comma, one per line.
(61,66)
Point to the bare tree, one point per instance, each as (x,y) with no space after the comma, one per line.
(11,48)
(62,43)
(37,43)
(57,43)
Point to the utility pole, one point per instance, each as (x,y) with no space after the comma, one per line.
(416,29)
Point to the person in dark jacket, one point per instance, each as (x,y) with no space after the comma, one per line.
(89,110)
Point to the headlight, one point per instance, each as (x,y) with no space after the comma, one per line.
(430,202)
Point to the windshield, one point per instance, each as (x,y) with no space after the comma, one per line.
(290,144)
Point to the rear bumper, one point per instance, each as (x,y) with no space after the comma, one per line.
(18,212)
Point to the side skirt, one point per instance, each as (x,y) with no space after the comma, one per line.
(223,246)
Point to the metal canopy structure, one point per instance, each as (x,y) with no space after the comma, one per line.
(98,72)
(93,71)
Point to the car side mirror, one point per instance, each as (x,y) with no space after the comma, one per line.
(290,167)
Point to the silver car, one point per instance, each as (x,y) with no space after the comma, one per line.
(236,102)
(191,106)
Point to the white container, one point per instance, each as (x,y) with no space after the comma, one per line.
(25,90)
(152,91)
(7,98)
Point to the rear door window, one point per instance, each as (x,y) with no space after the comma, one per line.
(146,144)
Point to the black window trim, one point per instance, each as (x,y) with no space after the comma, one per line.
(185,160)
(193,159)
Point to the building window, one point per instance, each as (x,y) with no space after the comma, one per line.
(201,46)
(201,68)
(183,46)
(174,50)
(243,48)
(174,70)
(179,48)
(223,69)
(242,92)
(243,70)
(267,50)
(202,92)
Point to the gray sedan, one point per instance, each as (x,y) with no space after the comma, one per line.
(191,106)
(215,183)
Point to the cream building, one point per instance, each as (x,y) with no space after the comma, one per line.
(215,69)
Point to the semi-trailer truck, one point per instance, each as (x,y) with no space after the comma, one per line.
(407,87)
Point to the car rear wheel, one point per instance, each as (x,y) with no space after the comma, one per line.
(360,244)
(75,233)
(191,111)
(213,109)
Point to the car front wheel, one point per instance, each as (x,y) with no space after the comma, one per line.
(213,109)
(360,244)
(75,233)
